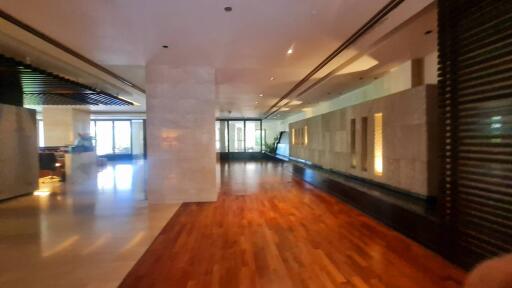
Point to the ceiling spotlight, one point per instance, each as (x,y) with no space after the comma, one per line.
(290,51)
(257,102)
(428,32)
(261,95)
(228,9)
(272,78)
(165,46)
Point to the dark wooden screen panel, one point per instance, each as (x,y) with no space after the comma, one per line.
(475,89)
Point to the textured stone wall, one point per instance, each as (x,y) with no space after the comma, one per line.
(410,123)
(181,134)
(19,166)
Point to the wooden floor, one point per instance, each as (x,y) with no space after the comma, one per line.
(269,229)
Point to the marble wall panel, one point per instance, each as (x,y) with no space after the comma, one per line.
(410,139)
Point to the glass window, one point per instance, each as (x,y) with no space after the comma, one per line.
(253,136)
(137,137)
(40,132)
(104,137)
(122,137)
(236,136)
(221,136)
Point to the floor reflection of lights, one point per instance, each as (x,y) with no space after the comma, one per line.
(79,235)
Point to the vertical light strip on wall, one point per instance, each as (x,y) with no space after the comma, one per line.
(305,135)
(364,143)
(353,143)
(293,136)
(377,147)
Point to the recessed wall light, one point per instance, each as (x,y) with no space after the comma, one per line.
(428,32)
(165,46)
(228,8)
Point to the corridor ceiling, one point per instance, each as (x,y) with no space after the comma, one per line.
(260,49)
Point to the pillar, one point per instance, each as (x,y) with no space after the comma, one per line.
(180,134)
(62,125)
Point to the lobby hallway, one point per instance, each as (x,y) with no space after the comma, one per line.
(88,232)
(269,229)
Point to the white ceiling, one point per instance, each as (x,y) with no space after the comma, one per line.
(246,46)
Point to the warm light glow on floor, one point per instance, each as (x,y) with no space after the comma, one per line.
(378,165)
(41,193)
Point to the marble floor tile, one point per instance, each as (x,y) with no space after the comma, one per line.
(85,233)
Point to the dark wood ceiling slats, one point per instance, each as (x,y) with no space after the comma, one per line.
(44,88)
(475,91)
(4,15)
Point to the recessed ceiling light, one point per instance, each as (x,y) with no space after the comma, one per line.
(284,109)
(261,95)
(272,78)
(428,32)
(295,102)
(290,51)
(257,102)
(228,9)
(165,46)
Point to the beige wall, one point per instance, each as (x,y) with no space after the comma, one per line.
(181,134)
(19,166)
(408,148)
(62,124)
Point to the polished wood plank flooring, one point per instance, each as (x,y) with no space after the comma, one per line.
(269,229)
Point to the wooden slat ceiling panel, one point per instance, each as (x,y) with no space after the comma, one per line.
(44,88)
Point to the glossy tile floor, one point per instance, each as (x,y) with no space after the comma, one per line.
(88,233)
(269,229)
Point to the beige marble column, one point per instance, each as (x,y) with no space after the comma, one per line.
(181,134)
(62,125)
(19,166)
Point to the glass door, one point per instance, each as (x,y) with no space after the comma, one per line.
(104,137)
(122,137)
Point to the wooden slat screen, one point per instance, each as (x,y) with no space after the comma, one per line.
(475,89)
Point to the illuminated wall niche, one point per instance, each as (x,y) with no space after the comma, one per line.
(377,147)
(305,135)
(353,143)
(364,143)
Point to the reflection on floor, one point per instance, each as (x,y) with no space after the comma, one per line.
(269,229)
(87,233)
